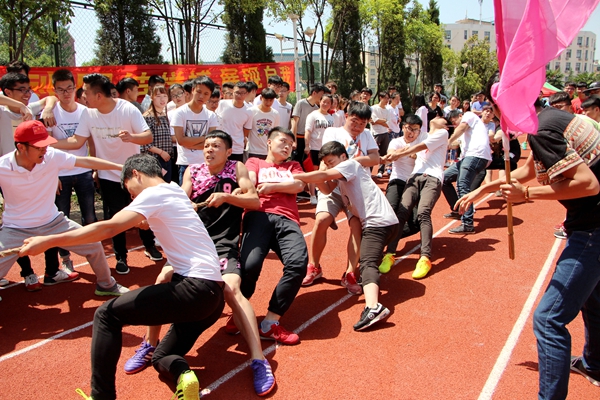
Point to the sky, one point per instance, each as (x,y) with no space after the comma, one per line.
(84,25)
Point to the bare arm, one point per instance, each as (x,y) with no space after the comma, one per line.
(23,109)
(72,143)
(247,199)
(393,155)
(370,160)
(460,129)
(122,221)
(136,138)
(192,143)
(96,163)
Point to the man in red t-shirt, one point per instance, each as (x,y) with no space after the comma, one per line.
(275,226)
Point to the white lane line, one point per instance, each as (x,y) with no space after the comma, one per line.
(511,342)
(43,342)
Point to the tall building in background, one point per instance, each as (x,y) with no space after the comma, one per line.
(578,57)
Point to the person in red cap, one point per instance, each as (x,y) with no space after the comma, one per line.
(33,169)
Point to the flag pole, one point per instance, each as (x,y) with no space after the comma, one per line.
(509,214)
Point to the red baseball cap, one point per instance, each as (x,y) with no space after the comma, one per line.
(34,133)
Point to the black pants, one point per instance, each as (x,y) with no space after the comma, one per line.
(393,193)
(383,141)
(264,232)
(115,199)
(191,305)
(372,244)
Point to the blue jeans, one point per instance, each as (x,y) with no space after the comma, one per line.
(573,287)
(85,190)
(463,173)
(181,171)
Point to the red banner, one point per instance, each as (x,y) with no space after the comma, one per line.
(41,77)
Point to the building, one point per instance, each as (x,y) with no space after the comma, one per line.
(371,67)
(578,57)
(457,34)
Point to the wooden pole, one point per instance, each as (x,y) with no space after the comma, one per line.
(509,215)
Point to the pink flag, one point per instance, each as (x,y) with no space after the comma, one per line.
(530,33)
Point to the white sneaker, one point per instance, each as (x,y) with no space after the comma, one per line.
(313,200)
(67,266)
(380,175)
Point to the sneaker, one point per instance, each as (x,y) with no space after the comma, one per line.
(387,263)
(462,230)
(153,254)
(379,175)
(452,215)
(114,290)
(577,366)
(4,282)
(264,381)
(560,233)
(312,273)
(279,334)
(122,267)
(60,277)
(32,283)
(349,282)
(369,316)
(82,394)
(230,326)
(422,269)
(313,200)
(141,359)
(188,387)
(67,266)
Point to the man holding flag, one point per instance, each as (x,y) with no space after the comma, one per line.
(564,159)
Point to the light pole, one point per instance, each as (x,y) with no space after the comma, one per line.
(308,57)
(294,19)
(281,38)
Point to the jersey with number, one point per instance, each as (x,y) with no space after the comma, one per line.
(223,223)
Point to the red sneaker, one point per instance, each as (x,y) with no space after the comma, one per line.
(230,327)
(312,273)
(280,334)
(32,283)
(349,282)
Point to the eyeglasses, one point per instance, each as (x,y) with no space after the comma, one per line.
(177,95)
(35,147)
(68,90)
(413,130)
(240,93)
(24,90)
(213,102)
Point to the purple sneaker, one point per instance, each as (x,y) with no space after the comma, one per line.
(141,359)
(264,381)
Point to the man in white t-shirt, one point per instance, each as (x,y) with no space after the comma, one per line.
(476,155)
(191,122)
(192,301)
(423,187)
(22,68)
(380,117)
(274,82)
(67,114)
(360,145)
(283,107)
(28,179)
(264,118)
(115,130)
(396,113)
(236,120)
(378,221)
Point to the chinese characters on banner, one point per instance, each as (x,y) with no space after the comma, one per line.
(41,77)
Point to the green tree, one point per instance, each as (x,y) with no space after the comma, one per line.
(432,56)
(127,35)
(347,67)
(587,77)
(480,63)
(555,78)
(247,36)
(36,52)
(30,18)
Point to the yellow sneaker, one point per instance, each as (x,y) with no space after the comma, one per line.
(188,387)
(422,269)
(387,263)
(82,394)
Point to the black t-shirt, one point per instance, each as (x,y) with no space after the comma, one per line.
(558,147)
(433,112)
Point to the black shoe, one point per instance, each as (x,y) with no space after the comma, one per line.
(462,230)
(452,215)
(153,254)
(577,366)
(122,267)
(370,316)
